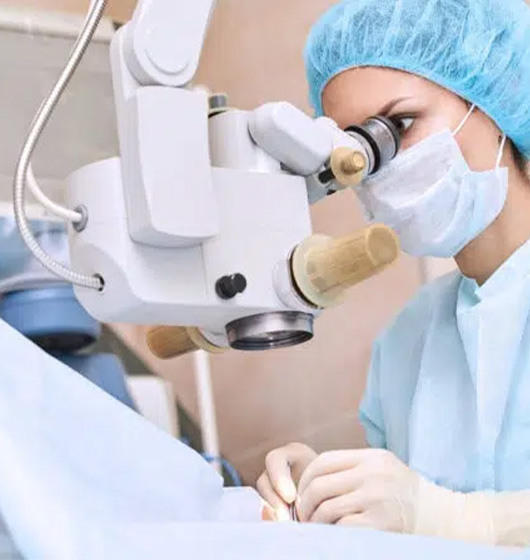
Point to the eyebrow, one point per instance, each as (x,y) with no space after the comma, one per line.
(389,106)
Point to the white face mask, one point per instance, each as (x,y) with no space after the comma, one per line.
(431,198)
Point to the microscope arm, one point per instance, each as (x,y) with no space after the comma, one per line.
(162,126)
(164,40)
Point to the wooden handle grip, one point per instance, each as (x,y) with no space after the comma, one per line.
(325,268)
(348,166)
(171,342)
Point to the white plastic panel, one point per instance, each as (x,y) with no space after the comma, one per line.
(166,168)
(291,137)
(231,145)
(165,38)
(263,217)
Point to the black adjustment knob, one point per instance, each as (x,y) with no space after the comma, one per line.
(228,287)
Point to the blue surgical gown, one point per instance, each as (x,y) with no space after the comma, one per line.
(448,390)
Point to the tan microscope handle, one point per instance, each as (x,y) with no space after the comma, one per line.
(171,342)
(325,268)
(348,166)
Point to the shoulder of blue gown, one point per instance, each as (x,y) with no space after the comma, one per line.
(419,310)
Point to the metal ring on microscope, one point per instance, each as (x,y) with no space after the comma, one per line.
(270,330)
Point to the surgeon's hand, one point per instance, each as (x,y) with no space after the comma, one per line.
(283,468)
(374,489)
(364,488)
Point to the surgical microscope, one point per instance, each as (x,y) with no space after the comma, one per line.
(201,227)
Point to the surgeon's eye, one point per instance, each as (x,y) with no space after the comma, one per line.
(403,123)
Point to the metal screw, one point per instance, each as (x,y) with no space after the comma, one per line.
(81,225)
(218,103)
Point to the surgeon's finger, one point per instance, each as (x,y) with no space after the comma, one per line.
(330,463)
(267,513)
(278,464)
(325,488)
(267,492)
(361,520)
(332,511)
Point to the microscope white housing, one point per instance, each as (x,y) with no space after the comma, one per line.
(193,225)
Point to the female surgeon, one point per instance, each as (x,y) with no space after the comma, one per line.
(447,405)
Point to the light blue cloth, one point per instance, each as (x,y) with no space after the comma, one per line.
(479,49)
(106,371)
(449,387)
(83,477)
(76,463)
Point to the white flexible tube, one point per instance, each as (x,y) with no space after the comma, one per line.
(97,8)
(52,207)
(206,401)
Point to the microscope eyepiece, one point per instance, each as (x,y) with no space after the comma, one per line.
(380,137)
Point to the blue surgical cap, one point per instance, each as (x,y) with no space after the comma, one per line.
(479,49)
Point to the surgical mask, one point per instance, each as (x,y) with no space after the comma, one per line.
(432,199)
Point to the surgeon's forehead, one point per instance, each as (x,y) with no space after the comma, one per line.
(354,95)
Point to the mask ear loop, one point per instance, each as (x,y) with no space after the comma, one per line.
(501,152)
(499,156)
(466,118)
(503,141)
